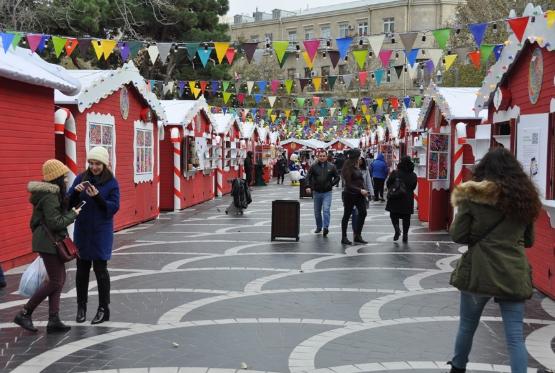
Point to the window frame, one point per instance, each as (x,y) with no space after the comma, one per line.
(104,120)
(343,26)
(365,25)
(389,25)
(143,177)
(292,32)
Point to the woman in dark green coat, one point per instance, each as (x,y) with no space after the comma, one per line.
(49,209)
(495,217)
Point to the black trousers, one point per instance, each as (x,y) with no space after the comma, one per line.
(100,268)
(378,188)
(280,176)
(350,201)
(406,221)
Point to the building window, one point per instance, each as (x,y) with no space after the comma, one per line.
(292,35)
(388,75)
(325,35)
(325,70)
(343,69)
(343,30)
(254,38)
(144,152)
(291,73)
(362,28)
(268,36)
(389,25)
(100,132)
(308,33)
(307,72)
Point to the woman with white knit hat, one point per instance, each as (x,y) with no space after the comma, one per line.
(94,230)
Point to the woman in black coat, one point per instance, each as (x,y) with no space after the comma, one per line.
(248,165)
(401,204)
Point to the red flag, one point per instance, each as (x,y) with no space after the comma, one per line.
(475,58)
(394,102)
(519,26)
(362,77)
(241,98)
(70,46)
(230,55)
(203,84)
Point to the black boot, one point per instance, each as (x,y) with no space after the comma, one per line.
(103,314)
(23,319)
(345,241)
(455,369)
(358,239)
(405,237)
(55,325)
(397,232)
(81,312)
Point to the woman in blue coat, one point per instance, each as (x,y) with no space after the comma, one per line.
(94,230)
(379,172)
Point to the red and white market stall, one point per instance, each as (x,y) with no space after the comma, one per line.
(519,93)
(265,151)
(27,85)
(248,136)
(442,110)
(229,167)
(344,143)
(115,109)
(187,154)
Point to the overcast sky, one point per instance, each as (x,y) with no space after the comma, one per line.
(249,6)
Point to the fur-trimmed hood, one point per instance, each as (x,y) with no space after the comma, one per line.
(39,189)
(482,192)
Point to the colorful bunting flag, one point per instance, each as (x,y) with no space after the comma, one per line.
(249,49)
(226,96)
(33,40)
(204,55)
(317,82)
(360,57)
(408,39)
(311,48)
(280,47)
(550,15)
(475,58)
(288,85)
(221,50)
(411,56)
(497,51)
(331,81)
(378,76)
(376,43)
(478,30)
(107,47)
(230,55)
(343,45)
(309,63)
(7,39)
(385,56)
(300,101)
(363,78)
(164,49)
(334,58)
(442,36)
(518,25)
(449,60)
(262,84)
(485,52)
(99,52)
(16,38)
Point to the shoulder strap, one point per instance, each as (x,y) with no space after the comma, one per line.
(487,232)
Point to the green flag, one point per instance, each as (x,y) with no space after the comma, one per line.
(59,44)
(485,52)
(331,81)
(300,101)
(284,59)
(288,85)
(360,57)
(225,85)
(280,47)
(16,39)
(418,100)
(442,36)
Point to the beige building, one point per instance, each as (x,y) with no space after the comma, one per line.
(357,19)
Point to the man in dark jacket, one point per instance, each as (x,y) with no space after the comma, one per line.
(322,176)
(379,171)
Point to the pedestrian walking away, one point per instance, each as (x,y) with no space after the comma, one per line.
(495,218)
(248,165)
(379,171)
(353,195)
(50,212)
(281,168)
(322,176)
(94,229)
(401,184)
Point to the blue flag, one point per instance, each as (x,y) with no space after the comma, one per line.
(204,55)
(343,45)
(406,101)
(378,75)
(411,56)
(478,30)
(497,51)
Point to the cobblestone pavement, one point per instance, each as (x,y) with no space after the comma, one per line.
(199,291)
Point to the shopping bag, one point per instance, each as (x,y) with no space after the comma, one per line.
(32,278)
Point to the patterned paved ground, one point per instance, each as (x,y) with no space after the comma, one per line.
(200,291)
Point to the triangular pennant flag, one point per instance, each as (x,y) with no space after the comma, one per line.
(221,49)
(354,102)
(385,56)
(343,45)
(214,85)
(334,58)
(98,51)
(399,71)
(418,100)
(241,97)
(33,40)
(249,49)
(332,111)
(16,38)
(497,51)
(203,84)
(442,36)
(413,71)
(192,85)
(262,84)
(360,57)
(329,102)
(226,96)
(168,87)
(274,86)
(331,81)
(287,113)
(192,49)
(124,51)
(164,49)
(108,47)
(250,85)
(284,59)
(71,44)
(272,100)
(364,108)
(435,56)
(408,39)
(7,39)
(378,75)
(280,47)
(288,86)
(59,44)
(347,79)
(311,48)
(225,85)
(475,58)
(43,40)
(257,98)
(273,117)
(406,101)
(550,15)
(394,101)
(478,30)
(152,53)
(518,25)
(300,101)
(485,52)
(135,47)
(429,64)
(230,55)
(204,55)
(376,43)
(449,60)
(317,82)
(362,78)
(303,82)
(379,102)
(307,60)
(84,46)
(181,87)
(315,100)
(367,116)
(411,56)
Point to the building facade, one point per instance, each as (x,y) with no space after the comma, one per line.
(358,19)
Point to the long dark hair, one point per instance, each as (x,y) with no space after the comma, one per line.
(61,183)
(362,164)
(406,164)
(519,197)
(349,167)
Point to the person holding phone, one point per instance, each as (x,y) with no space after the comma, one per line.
(94,230)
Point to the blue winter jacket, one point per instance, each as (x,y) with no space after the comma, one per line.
(94,227)
(379,168)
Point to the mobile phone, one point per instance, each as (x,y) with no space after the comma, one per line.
(80,205)
(86,184)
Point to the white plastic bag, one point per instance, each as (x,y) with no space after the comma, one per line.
(32,278)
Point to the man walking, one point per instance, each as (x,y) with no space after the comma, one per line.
(322,176)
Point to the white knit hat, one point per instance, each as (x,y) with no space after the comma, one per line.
(98,153)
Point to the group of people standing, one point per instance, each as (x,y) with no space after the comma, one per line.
(91,203)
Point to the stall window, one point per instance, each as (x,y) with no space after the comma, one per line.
(551,171)
(101,132)
(143,152)
(189,157)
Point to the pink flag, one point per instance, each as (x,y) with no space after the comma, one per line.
(362,78)
(385,56)
(275,86)
(230,55)
(34,41)
(315,100)
(311,47)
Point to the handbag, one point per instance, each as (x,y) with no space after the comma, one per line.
(65,248)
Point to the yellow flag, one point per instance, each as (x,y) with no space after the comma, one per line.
(287,113)
(192,85)
(221,49)
(550,18)
(97,46)
(274,117)
(367,118)
(449,61)
(306,57)
(379,101)
(107,47)
(227,95)
(317,82)
(364,109)
(196,92)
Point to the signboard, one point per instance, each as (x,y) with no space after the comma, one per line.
(438,157)
(531,148)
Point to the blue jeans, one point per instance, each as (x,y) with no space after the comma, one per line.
(512,313)
(322,200)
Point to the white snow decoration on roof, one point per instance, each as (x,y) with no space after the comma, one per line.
(312,143)
(25,66)
(223,122)
(262,132)
(99,84)
(454,103)
(410,116)
(393,125)
(182,112)
(274,137)
(247,130)
(536,32)
(350,142)
(381,133)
